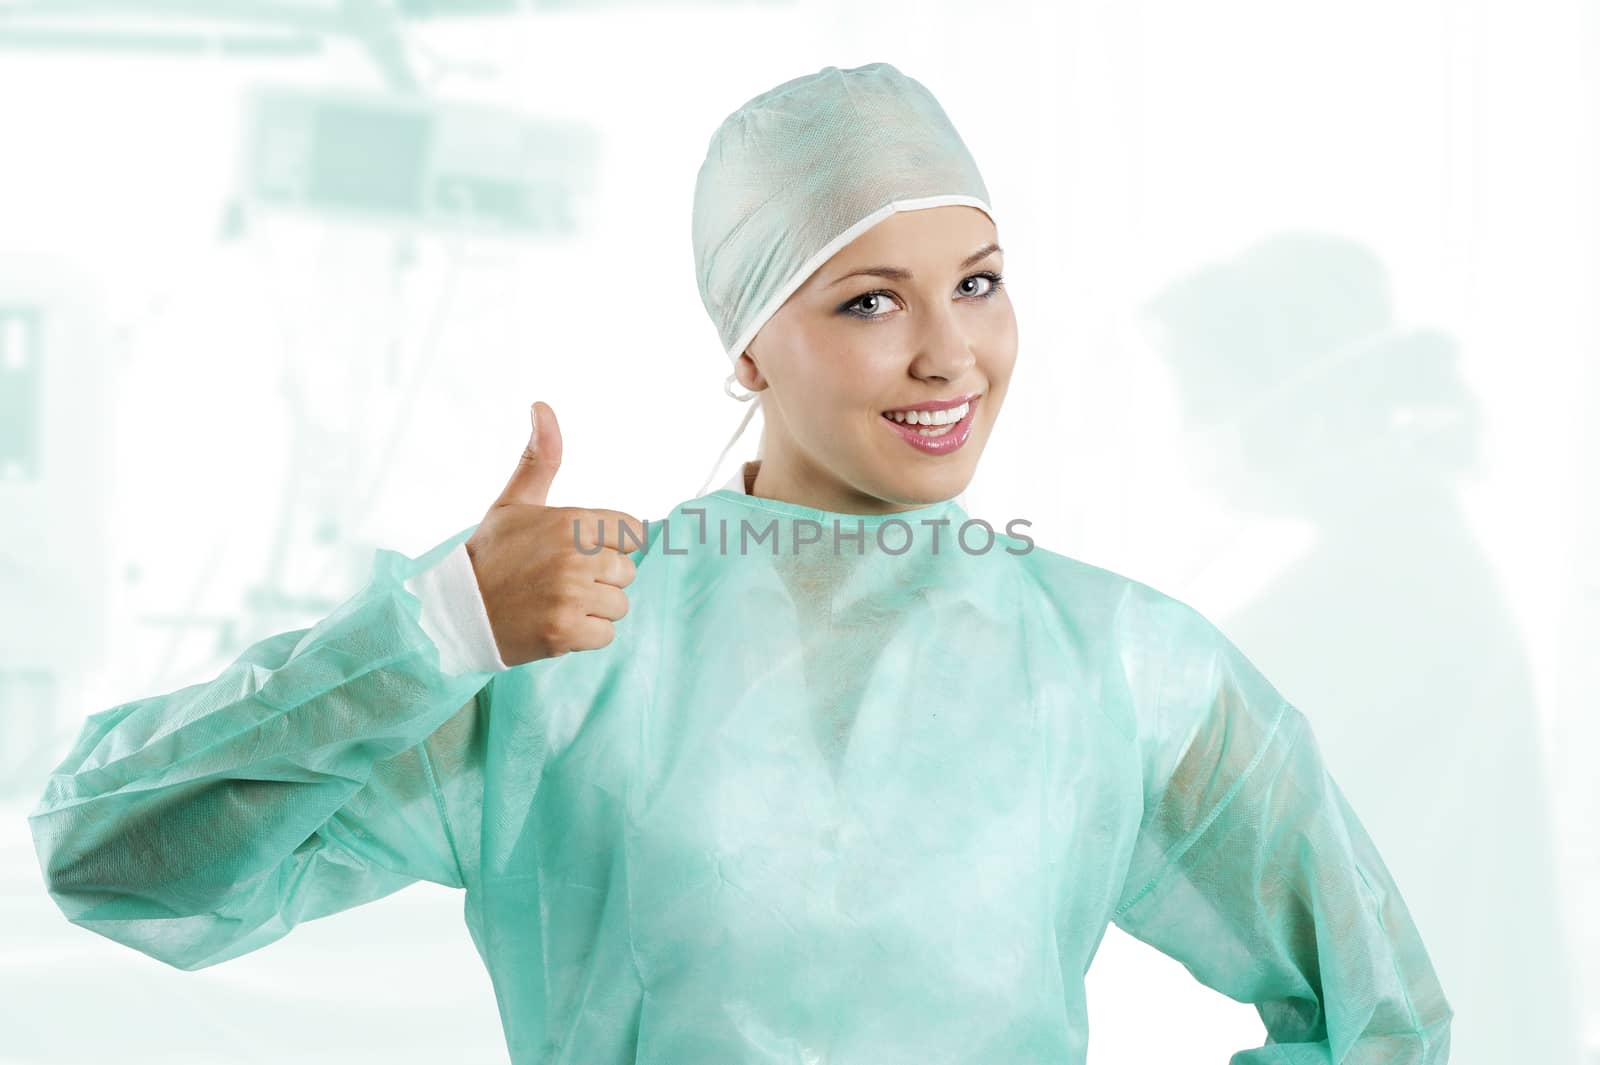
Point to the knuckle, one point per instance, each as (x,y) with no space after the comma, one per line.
(555,518)
(553,633)
(579,531)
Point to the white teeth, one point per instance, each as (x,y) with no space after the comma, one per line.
(931,417)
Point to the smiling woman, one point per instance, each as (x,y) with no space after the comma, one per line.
(847,798)
(808,192)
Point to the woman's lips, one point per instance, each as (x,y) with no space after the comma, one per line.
(939,404)
(936,445)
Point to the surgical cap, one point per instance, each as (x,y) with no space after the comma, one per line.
(801,170)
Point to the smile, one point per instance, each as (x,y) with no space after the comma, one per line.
(935,429)
(947,416)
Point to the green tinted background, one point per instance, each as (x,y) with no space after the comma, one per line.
(1308,339)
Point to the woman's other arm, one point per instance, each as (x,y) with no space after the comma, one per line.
(1251,868)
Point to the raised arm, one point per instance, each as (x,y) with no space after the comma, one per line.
(325,768)
(1252,869)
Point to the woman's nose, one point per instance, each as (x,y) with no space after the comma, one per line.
(948,354)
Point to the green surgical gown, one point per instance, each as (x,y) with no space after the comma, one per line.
(863,793)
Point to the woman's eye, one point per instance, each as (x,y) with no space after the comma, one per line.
(869,302)
(978,277)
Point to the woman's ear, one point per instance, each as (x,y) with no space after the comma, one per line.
(748,373)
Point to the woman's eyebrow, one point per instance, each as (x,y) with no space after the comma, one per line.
(896,274)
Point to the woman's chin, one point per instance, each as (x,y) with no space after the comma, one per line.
(923,484)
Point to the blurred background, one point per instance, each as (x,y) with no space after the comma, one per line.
(1308,340)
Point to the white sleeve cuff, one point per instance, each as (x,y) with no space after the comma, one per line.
(454,617)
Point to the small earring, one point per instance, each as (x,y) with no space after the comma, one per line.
(727,383)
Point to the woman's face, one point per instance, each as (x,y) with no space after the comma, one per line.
(927,326)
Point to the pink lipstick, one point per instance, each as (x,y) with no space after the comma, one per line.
(949,438)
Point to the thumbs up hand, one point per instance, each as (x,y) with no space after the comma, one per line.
(546,588)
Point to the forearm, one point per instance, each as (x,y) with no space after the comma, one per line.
(291,785)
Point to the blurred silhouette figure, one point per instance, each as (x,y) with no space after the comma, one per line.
(1391,633)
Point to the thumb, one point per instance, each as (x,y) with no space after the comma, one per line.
(530,482)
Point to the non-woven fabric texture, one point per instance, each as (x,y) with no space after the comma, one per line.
(864,793)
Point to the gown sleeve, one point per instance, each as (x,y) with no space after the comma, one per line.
(1251,868)
(324,768)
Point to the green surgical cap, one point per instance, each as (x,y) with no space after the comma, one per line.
(800,171)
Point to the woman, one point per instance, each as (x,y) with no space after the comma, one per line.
(845,776)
